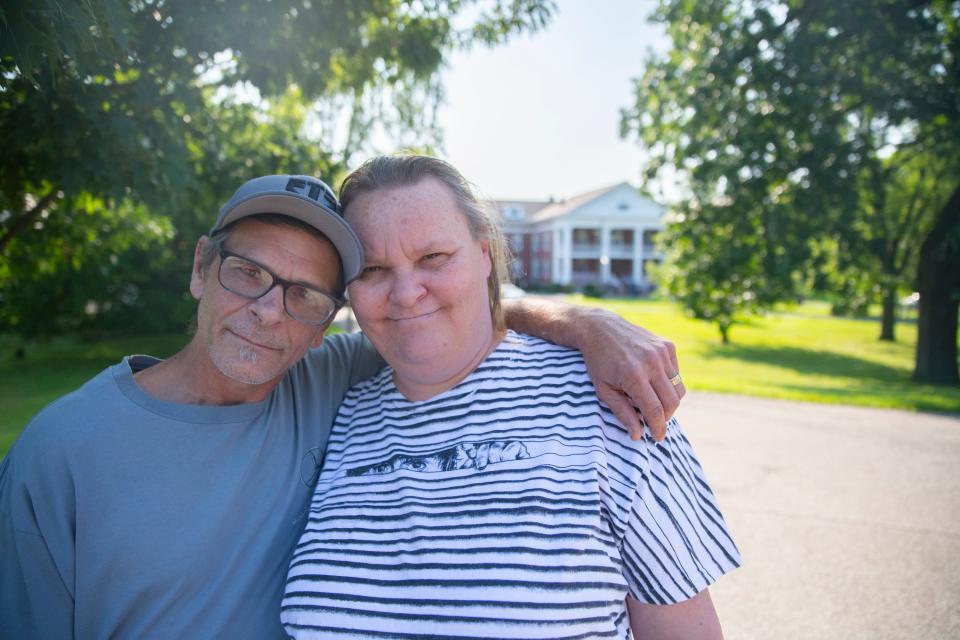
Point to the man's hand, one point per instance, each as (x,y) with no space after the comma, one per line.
(631,367)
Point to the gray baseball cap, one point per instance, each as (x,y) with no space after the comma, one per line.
(304,198)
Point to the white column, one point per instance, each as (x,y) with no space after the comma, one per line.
(557,248)
(638,255)
(567,255)
(556,264)
(605,253)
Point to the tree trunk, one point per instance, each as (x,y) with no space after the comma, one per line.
(724,328)
(25,218)
(889,317)
(938,277)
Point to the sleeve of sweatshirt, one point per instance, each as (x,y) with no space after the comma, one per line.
(37,526)
(344,360)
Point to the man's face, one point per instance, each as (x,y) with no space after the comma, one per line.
(256,341)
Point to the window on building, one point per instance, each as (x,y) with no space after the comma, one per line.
(586,237)
(621,237)
(586,265)
(622,269)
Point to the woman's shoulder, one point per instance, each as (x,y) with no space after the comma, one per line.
(523,347)
(370,390)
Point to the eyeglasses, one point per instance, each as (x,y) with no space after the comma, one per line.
(248,279)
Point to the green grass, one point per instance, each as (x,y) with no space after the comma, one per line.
(797,353)
(50,370)
(800,353)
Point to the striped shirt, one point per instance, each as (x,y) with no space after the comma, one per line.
(510,506)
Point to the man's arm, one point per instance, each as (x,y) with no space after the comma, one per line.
(34,599)
(631,367)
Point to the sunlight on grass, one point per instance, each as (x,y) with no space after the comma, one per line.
(799,353)
(53,369)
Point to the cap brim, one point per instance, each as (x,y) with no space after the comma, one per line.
(330,224)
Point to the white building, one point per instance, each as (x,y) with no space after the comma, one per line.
(603,237)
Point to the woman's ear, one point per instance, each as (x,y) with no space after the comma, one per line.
(485,250)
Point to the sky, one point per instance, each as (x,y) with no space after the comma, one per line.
(540,116)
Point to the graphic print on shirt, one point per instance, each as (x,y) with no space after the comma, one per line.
(478,455)
(466,455)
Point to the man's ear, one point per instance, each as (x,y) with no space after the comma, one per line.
(318,339)
(197,276)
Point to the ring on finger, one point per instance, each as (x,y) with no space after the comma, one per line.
(675,380)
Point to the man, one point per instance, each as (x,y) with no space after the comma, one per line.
(163,498)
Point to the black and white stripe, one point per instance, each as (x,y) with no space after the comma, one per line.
(511,506)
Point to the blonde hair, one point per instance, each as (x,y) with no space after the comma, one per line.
(385,172)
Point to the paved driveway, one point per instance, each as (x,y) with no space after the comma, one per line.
(848,519)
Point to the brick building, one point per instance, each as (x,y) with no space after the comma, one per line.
(603,238)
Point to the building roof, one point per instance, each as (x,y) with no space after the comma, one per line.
(540,211)
(558,209)
(529,207)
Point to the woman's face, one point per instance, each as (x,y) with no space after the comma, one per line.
(422,295)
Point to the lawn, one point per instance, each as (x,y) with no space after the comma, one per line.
(798,353)
(51,370)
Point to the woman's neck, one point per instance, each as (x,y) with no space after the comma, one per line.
(417,390)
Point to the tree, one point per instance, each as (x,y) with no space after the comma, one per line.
(94,268)
(790,121)
(939,286)
(898,201)
(124,115)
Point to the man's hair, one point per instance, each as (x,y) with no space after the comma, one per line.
(211,248)
(385,172)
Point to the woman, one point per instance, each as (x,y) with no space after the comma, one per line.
(477,488)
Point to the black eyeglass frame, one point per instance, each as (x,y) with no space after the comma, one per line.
(338,302)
